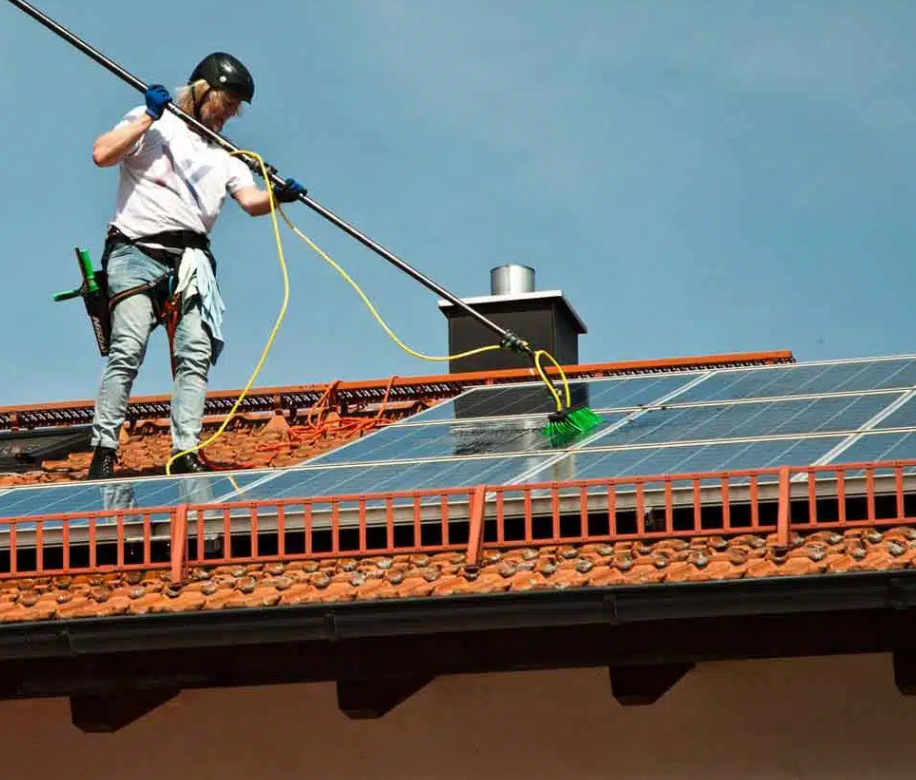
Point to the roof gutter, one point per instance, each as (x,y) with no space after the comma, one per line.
(357,621)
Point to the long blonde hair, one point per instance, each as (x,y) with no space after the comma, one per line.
(186,96)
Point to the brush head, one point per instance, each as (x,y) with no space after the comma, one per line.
(566,426)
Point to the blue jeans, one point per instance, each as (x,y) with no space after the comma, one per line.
(132,322)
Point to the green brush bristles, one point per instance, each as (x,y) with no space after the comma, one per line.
(569,424)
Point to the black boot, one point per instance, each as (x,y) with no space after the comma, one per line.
(189,464)
(103,463)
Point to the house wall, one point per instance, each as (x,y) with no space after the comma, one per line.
(808,719)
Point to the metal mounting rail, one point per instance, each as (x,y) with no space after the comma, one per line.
(352,396)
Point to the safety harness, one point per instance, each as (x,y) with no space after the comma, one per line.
(167,248)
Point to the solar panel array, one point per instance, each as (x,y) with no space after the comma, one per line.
(701,420)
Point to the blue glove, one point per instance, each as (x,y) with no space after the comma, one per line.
(289,191)
(156,98)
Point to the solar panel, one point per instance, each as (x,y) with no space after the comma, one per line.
(666,424)
(673,459)
(647,434)
(677,423)
(904,416)
(804,379)
(392,477)
(446,440)
(878,446)
(119,494)
(601,394)
(699,420)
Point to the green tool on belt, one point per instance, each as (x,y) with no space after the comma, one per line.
(94,292)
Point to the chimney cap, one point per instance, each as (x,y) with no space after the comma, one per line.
(512,279)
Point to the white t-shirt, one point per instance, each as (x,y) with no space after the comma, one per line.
(174,180)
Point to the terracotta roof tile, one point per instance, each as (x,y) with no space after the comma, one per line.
(441,576)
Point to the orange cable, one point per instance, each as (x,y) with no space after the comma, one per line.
(317,427)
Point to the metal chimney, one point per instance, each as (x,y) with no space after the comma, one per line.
(511,279)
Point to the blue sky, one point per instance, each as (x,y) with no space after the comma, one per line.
(697,177)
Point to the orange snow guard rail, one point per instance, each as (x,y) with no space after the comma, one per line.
(774,504)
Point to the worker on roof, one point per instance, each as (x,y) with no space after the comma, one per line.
(157,257)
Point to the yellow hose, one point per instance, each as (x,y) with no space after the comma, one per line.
(558,399)
(274,208)
(273,333)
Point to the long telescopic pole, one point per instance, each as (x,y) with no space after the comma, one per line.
(509,339)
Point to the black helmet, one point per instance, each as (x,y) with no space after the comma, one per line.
(225,72)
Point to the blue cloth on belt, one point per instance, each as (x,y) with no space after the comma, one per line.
(195,277)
